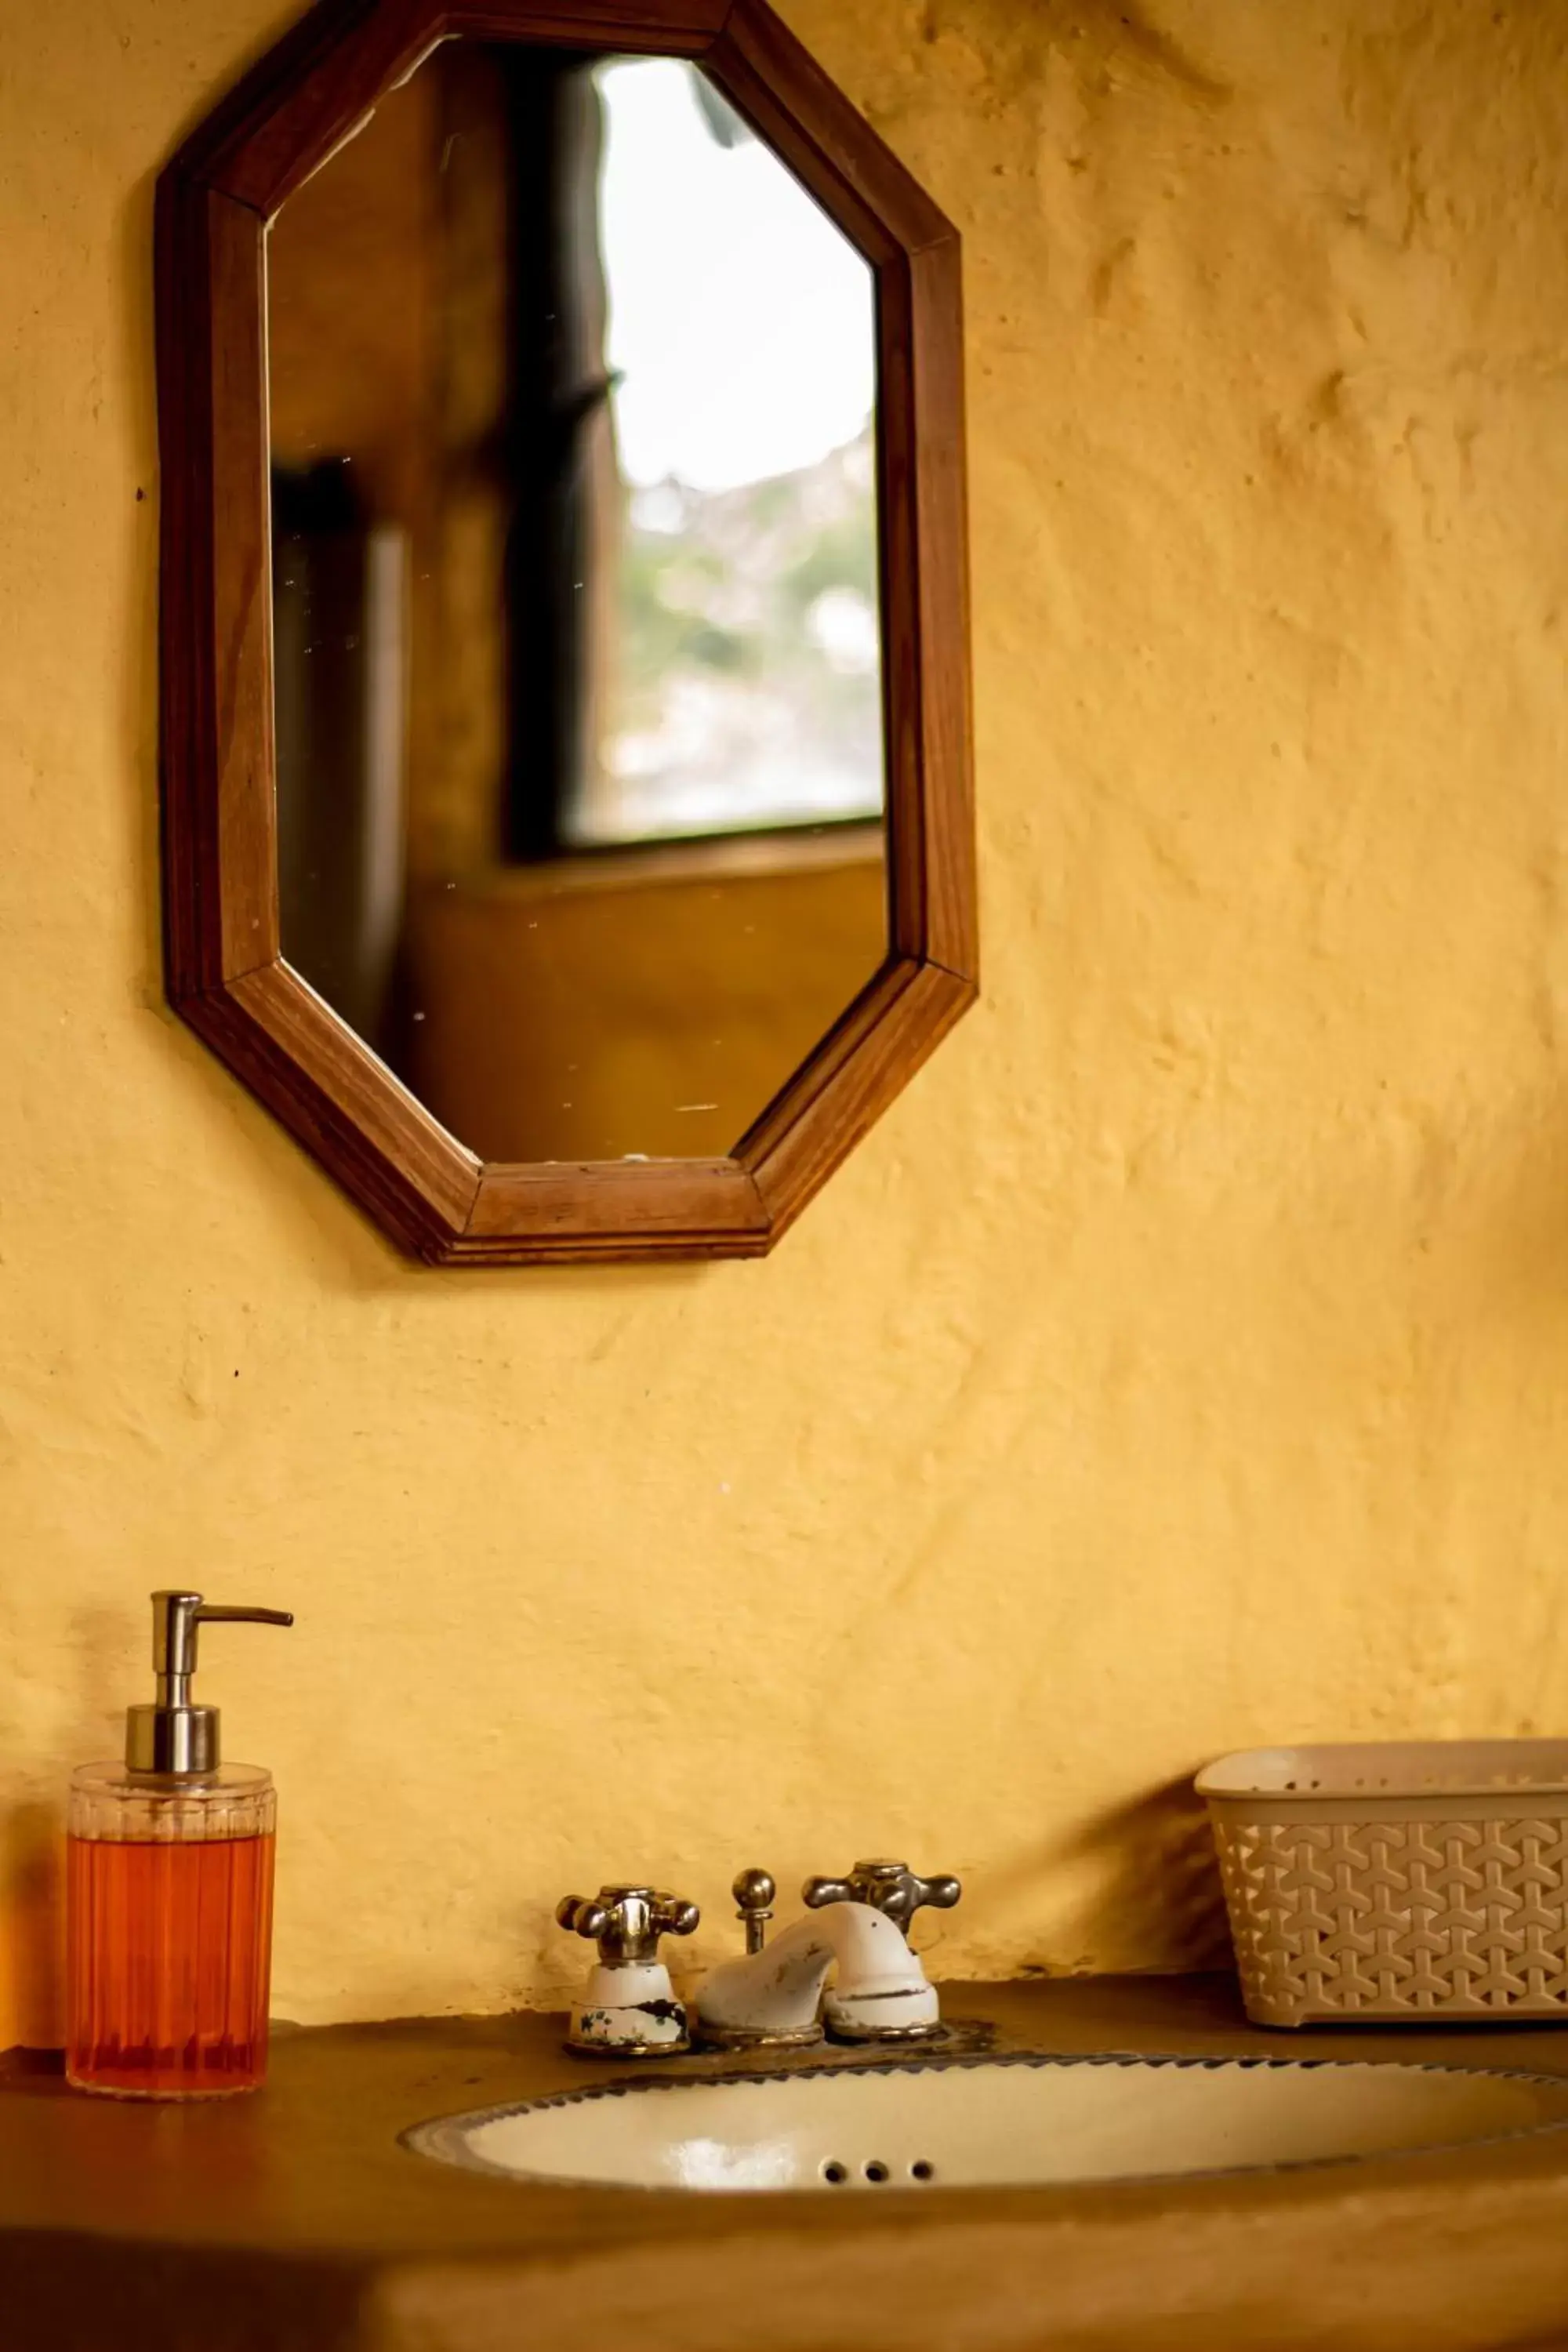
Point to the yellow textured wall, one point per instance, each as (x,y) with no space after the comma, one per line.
(1184,1361)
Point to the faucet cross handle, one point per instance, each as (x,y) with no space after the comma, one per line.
(626,1922)
(891,1887)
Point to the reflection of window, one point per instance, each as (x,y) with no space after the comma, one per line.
(621,416)
(744,669)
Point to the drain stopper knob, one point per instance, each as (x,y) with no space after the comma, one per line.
(753,1891)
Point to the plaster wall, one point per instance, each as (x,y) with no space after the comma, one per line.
(1183,1363)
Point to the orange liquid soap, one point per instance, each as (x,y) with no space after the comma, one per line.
(169,1890)
(168,1964)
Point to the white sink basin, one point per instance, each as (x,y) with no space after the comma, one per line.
(993,2122)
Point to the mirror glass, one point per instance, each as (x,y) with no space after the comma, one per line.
(577,648)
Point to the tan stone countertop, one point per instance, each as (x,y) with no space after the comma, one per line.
(295,2222)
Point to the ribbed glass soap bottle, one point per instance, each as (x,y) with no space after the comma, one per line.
(169,1892)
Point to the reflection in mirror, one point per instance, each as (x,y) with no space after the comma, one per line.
(577,648)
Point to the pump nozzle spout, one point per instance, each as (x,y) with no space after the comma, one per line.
(174,1734)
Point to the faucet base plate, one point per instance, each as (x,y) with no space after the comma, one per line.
(959,2037)
(740,2037)
(875,2035)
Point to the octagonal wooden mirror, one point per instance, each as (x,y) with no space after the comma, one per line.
(567,819)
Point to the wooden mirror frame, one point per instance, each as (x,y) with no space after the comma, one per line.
(226,973)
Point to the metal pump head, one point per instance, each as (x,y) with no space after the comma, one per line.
(173,1735)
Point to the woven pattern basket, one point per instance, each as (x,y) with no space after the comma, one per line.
(1407,1880)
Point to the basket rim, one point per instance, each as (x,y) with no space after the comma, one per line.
(1497,1770)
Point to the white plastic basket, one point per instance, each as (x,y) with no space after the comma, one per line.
(1408,1881)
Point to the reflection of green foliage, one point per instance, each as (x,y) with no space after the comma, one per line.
(841,555)
(660,631)
(772,503)
(731,592)
(719,648)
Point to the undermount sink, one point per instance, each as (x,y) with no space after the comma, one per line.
(993,2122)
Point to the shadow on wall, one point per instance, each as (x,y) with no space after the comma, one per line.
(1163,1890)
(32,2008)
(1158,1889)
(1115,44)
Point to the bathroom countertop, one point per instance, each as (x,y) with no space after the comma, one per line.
(295,2222)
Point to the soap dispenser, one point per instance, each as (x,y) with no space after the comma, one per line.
(169,1892)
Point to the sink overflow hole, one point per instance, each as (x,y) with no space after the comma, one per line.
(875,2171)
